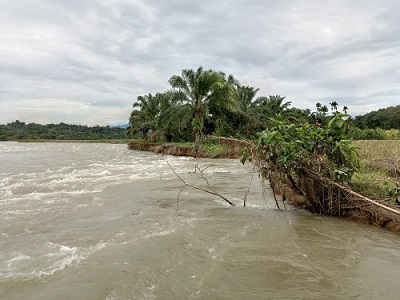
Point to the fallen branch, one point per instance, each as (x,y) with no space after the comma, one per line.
(210,191)
(249,187)
(273,192)
(354,193)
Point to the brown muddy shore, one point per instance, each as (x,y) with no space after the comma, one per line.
(177,150)
(166,149)
(381,215)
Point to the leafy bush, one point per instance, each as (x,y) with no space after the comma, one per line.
(374,134)
(290,148)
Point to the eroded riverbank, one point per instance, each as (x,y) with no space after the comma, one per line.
(379,214)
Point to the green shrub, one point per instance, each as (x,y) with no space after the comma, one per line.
(289,148)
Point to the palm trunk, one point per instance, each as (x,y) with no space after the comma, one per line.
(197,124)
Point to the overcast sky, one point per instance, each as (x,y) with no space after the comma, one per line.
(86,61)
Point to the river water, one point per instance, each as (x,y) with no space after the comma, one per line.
(99,221)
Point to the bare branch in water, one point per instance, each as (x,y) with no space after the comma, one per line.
(201,175)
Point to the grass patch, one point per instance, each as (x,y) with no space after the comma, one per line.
(372,150)
(379,173)
(212,148)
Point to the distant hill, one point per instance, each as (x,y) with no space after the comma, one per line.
(120,126)
(385,118)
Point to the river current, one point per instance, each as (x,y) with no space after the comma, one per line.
(99,221)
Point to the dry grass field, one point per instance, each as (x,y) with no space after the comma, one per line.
(373,150)
(379,174)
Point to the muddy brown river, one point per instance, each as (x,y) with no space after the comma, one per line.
(99,221)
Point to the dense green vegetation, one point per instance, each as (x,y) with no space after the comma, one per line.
(206,102)
(385,118)
(289,149)
(20,131)
(303,160)
(296,154)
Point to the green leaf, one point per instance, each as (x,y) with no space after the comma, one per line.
(244,156)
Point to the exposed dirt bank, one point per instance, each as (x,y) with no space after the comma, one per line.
(380,214)
(178,150)
(375,216)
(169,149)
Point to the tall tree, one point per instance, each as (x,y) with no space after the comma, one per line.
(147,110)
(322,110)
(199,89)
(276,104)
(270,106)
(249,114)
(334,106)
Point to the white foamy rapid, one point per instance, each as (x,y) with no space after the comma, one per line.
(50,190)
(99,221)
(39,180)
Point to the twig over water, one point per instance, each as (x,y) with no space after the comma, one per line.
(209,191)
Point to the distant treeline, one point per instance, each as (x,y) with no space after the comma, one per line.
(383,124)
(385,118)
(20,131)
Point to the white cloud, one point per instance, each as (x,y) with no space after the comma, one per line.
(46,111)
(101,55)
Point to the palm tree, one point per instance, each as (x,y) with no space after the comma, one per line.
(345,108)
(276,104)
(175,116)
(148,106)
(200,89)
(146,113)
(334,106)
(134,123)
(250,109)
(245,96)
(272,105)
(324,110)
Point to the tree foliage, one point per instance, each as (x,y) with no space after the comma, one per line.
(305,159)
(288,149)
(21,131)
(385,118)
(207,102)
(198,91)
(203,102)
